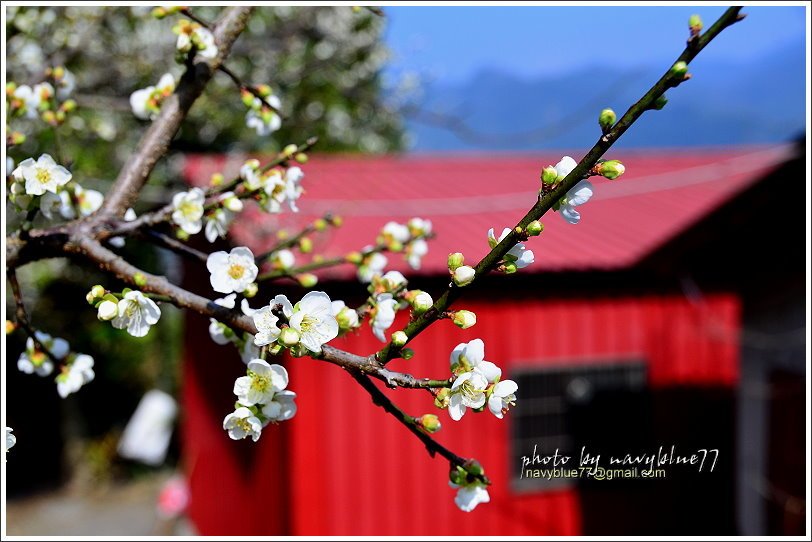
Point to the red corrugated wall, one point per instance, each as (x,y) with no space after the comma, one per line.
(344,467)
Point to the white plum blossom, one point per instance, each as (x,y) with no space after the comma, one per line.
(76,375)
(419,226)
(42,175)
(372,265)
(470,356)
(260,384)
(577,195)
(313,319)
(188,210)
(503,396)
(218,330)
(88,201)
(146,102)
(30,99)
(136,313)
(267,330)
(251,174)
(564,167)
(281,408)
(384,315)
(470,495)
(262,118)
(232,271)
(283,259)
(415,252)
(204,42)
(242,423)
(33,360)
(394,232)
(11,440)
(518,254)
(52,204)
(468,390)
(293,187)
(249,350)
(393,280)
(217,224)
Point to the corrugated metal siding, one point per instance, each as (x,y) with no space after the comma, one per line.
(350,469)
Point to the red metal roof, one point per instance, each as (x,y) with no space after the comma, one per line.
(662,193)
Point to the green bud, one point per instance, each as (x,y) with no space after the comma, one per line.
(660,102)
(264,90)
(679,69)
(429,423)
(455,260)
(181,234)
(464,319)
(251,290)
(336,221)
(217,179)
(442,398)
(611,169)
(288,337)
(140,279)
(90,298)
(458,476)
(549,175)
(247,98)
(607,119)
(535,228)
(510,267)
(305,245)
(300,157)
(399,338)
(275,349)
(68,106)
(320,224)
(290,150)
(159,13)
(473,467)
(407,353)
(17,138)
(308,280)
(354,257)
(97,291)
(695,24)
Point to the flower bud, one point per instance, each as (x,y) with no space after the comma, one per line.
(247,98)
(233,204)
(354,257)
(399,338)
(611,169)
(97,291)
(305,245)
(264,90)
(458,476)
(407,353)
(464,319)
(442,398)
(288,337)
(422,302)
(251,290)
(695,24)
(290,150)
(464,275)
(320,224)
(17,138)
(607,119)
(347,318)
(217,179)
(473,467)
(68,106)
(140,279)
(107,310)
(535,228)
(336,221)
(510,268)
(300,157)
(660,102)
(679,69)
(429,423)
(455,260)
(10,327)
(159,13)
(549,175)
(275,349)
(308,280)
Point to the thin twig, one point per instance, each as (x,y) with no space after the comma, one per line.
(22,318)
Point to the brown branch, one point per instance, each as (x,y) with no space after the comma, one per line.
(176,246)
(156,140)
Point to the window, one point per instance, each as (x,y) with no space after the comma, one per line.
(569,406)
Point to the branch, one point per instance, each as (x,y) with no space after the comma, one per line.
(546,202)
(156,140)
(432,446)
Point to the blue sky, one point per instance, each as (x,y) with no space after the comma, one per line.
(450,44)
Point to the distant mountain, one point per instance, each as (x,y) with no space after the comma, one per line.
(760,101)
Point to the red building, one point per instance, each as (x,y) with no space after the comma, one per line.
(625,334)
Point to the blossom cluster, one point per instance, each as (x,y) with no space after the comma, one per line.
(48,100)
(131,310)
(274,186)
(39,356)
(263,110)
(477,382)
(194,37)
(261,399)
(146,102)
